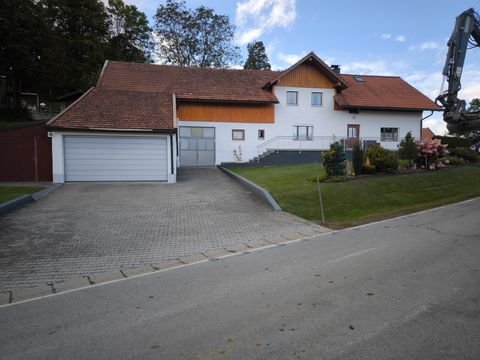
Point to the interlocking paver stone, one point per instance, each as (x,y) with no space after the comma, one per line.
(137,271)
(29,293)
(94,228)
(192,258)
(71,283)
(4,298)
(215,253)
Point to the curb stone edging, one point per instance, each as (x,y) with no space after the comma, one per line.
(16,203)
(23,200)
(254,187)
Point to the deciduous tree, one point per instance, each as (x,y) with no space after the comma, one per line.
(130,34)
(198,37)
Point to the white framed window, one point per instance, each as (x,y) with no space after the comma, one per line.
(303,132)
(238,134)
(388,134)
(261,134)
(317,99)
(292,97)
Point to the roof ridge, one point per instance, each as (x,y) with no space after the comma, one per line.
(152,65)
(363,75)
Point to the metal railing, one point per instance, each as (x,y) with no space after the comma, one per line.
(315,143)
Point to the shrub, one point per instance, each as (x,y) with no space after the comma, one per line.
(453,160)
(357,159)
(383,159)
(429,151)
(466,154)
(408,149)
(404,164)
(334,160)
(368,169)
(454,141)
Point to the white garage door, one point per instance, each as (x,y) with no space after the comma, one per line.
(115,158)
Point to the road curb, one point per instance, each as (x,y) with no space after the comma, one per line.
(254,187)
(76,283)
(14,204)
(23,200)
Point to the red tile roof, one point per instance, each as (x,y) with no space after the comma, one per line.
(102,108)
(382,92)
(190,83)
(427,133)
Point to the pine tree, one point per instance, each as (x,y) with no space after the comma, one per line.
(257,57)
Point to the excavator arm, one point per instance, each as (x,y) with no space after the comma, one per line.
(466,32)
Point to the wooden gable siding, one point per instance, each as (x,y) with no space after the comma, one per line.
(246,113)
(305,75)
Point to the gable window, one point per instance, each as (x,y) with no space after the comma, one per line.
(261,134)
(292,97)
(317,99)
(238,134)
(303,132)
(388,134)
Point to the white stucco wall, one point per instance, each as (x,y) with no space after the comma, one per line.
(325,121)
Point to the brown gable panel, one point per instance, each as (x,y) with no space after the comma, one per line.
(306,75)
(246,113)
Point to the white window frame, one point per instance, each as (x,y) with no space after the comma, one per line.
(391,135)
(236,132)
(321,98)
(307,137)
(296,98)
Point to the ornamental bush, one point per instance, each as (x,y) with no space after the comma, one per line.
(407,149)
(357,159)
(383,159)
(334,160)
(430,150)
(466,154)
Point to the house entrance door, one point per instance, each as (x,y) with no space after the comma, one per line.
(353,135)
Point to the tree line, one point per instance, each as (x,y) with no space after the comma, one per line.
(55,47)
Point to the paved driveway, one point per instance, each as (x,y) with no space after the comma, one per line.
(85,228)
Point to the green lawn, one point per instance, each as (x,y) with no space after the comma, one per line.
(363,199)
(11,192)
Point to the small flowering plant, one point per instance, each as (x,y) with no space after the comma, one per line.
(429,150)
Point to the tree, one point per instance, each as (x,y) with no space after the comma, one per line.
(24,39)
(130,34)
(196,37)
(257,57)
(81,29)
(408,148)
(473,135)
(474,105)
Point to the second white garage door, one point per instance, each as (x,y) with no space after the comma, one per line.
(115,158)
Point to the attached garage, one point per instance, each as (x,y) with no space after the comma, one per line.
(115,158)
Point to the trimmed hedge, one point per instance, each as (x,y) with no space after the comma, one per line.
(454,141)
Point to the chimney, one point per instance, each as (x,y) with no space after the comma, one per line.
(335,68)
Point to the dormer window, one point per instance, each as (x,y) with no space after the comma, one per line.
(359,78)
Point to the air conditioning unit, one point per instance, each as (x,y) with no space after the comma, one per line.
(50,134)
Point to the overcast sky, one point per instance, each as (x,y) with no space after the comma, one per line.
(405,38)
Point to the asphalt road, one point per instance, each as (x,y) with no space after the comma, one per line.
(408,288)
